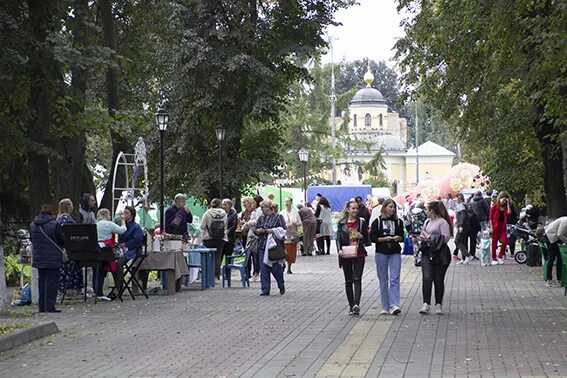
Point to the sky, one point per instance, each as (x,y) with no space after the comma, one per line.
(369,29)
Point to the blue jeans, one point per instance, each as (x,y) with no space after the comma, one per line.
(265,270)
(388,268)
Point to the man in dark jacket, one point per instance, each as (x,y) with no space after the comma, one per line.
(363,210)
(47,246)
(481,209)
(232,218)
(177,217)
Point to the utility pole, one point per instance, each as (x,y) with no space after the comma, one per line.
(333,112)
(416,142)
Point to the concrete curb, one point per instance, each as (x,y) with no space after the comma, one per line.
(24,336)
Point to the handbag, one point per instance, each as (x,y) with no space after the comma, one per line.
(278,252)
(408,246)
(350,251)
(64,256)
(318,228)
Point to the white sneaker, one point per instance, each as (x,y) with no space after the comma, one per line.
(468,259)
(494,262)
(439,309)
(255,278)
(103,298)
(500,261)
(460,262)
(425,309)
(384,312)
(395,310)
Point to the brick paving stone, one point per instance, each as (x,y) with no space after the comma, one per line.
(500,322)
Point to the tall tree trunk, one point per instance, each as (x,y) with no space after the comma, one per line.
(113,103)
(564,150)
(42,74)
(552,154)
(71,163)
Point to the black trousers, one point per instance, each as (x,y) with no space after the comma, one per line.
(48,283)
(472,234)
(353,269)
(432,274)
(553,253)
(321,241)
(219,245)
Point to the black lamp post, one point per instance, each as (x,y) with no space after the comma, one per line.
(162,118)
(303,158)
(220,132)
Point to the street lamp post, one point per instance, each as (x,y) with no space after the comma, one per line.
(162,118)
(303,158)
(220,132)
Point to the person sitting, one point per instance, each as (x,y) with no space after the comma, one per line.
(106,236)
(177,217)
(130,242)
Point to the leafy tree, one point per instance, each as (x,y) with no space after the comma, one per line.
(479,63)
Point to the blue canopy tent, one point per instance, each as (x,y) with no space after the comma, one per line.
(339,195)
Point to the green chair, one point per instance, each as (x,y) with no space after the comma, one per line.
(563,252)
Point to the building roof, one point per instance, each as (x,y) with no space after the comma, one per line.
(368,95)
(390,143)
(430,149)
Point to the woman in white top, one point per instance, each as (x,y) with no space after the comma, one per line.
(292,223)
(325,217)
(252,240)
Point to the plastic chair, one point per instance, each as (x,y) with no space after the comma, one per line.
(238,261)
(563,252)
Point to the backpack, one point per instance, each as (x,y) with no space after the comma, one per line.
(216,229)
(473,221)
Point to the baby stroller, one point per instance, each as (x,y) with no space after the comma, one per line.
(528,241)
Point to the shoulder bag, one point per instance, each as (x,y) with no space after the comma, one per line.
(278,252)
(351,251)
(64,256)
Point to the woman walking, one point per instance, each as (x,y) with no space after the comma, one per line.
(323,213)
(462,225)
(47,256)
(269,224)
(292,224)
(387,232)
(435,255)
(352,231)
(498,219)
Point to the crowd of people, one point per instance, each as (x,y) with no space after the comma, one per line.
(261,228)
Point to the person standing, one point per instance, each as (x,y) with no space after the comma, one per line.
(376,210)
(252,239)
(323,213)
(232,220)
(387,232)
(214,225)
(177,217)
(498,219)
(555,233)
(309,223)
(462,225)
(47,245)
(435,255)
(87,209)
(269,224)
(70,275)
(292,224)
(352,230)
(481,209)
(363,210)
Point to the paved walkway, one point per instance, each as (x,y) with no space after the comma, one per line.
(501,321)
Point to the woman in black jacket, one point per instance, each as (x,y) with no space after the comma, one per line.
(47,246)
(352,231)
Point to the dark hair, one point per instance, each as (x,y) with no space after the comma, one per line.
(84,203)
(439,209)
(47,209)
(258,199)
(324,202)
(461,197)
(450,196)
(478,193)
(358,198)
(215,203)
(318,195)
(132,211)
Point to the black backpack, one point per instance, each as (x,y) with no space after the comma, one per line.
(473,221)
(216,229)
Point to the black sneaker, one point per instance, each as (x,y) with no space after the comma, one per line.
(356,310)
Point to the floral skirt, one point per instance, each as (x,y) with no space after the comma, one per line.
(70,277)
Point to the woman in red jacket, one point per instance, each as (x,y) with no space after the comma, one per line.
(499,213)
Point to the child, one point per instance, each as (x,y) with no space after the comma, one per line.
(485,257)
